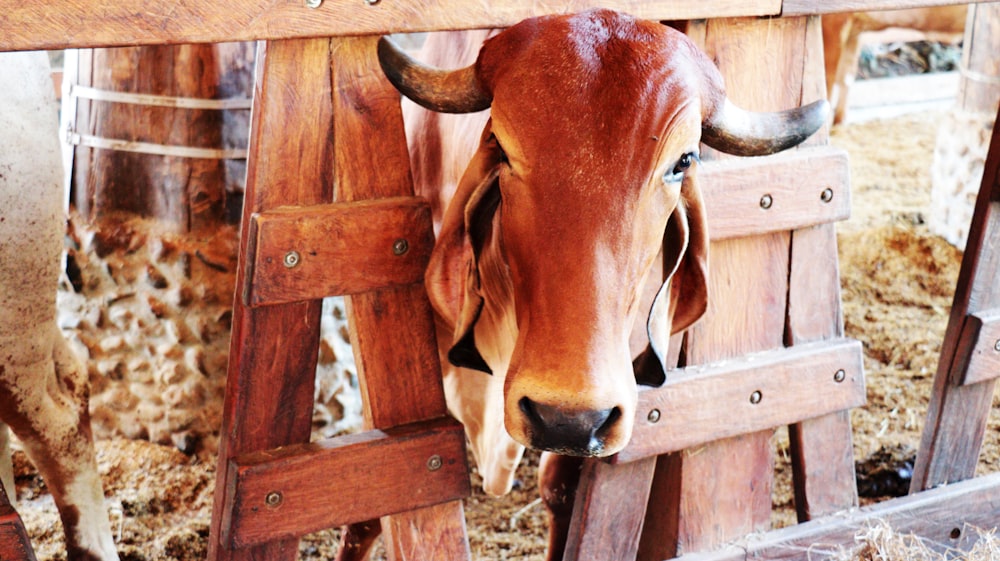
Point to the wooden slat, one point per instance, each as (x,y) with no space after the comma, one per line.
(272,359)
(14,543)
(945,519)
(92,23)
(794,182)
(809,7)
(978,355)
(298,489)
(338,248)
(699,404)
(957,414)
(392,330)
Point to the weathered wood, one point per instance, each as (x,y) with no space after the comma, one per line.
(297,489)
(945,519)
(810,7)
(392,330)
(821,448)
(303,253)
(14,542)
(957,414)
(272,361)
(787,191)
(699,404)
(90,23)
(979,88)
(595,535)
(977,358)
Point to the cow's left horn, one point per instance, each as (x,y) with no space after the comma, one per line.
(445,91)
(746,133)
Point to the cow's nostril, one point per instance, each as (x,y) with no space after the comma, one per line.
(614,414)
(528,408)
(577,433)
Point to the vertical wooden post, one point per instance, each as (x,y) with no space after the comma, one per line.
(272,361)
(392,330)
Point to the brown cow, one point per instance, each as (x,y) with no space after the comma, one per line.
(582,172)
(43,385)
(842,41)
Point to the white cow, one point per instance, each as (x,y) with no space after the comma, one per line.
(43,386)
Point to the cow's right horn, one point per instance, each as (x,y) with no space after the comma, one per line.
(445,91)
(733,130)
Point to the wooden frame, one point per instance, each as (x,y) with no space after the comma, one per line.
(296,161)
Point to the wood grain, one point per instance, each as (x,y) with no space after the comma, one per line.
(977,358)
(304,253)
(809,7)
(91,23)
(14,543)
(957,414)
(273,350)
(944,518)
(699,404)
(298,489)
(805,187)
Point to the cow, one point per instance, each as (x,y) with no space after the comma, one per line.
(43,385)
(551,210)
(842,41)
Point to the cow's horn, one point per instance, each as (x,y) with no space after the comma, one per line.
(445,91)
(746,133)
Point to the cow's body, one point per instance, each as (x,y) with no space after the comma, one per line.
(551,212)
(43,385)
(842,40)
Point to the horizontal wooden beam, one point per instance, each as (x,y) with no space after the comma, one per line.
(298,489)
(60,24)
(701,404)
(978,351)
(306,253)
(786,191)
(811,7)
(945,519)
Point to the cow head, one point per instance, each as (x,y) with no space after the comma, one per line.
(585,171)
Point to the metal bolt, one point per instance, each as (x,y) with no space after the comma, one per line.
(756,396)
(314,3)
(273,499)
(400,246)
(371,2)
(654,416)
(292,258)
(839,376)
(827,195)
(434,463)
(766,201)
(996,346)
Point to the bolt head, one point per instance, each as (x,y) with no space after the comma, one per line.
(314,3)
(273,499)
(839,376)
(292,259)
(653,416)
(755,397)
(827,195)
(434,463)
(996,346)
(766,201)
(400,246)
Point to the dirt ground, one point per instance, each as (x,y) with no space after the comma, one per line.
(897,283)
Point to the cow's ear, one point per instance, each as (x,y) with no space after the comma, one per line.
(452,276)
(683,298)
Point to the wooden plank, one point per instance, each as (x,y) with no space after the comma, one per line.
(272,359)
(294,490)
(957,414)
(699,404)
(978,356)
(821,448)
(339,248)
(14,543)
(91,23)
(944,518)
(801,188)
(593,535)
(392,330)
(810,7)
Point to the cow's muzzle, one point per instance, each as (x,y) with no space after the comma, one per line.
(569,432)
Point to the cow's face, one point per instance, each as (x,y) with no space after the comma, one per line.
(585,171)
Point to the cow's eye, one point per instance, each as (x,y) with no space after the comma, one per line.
(676,173)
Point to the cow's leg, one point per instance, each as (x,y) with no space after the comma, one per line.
(558,478)
(6,465)
(43,387)
(356,540)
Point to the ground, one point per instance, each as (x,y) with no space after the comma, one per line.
(897,282)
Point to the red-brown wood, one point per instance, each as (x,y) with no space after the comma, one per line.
(14,542)
(392,330)
(699,404)
(272,362)
(291,491)
(957,414)
(978,353)
(303,253)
